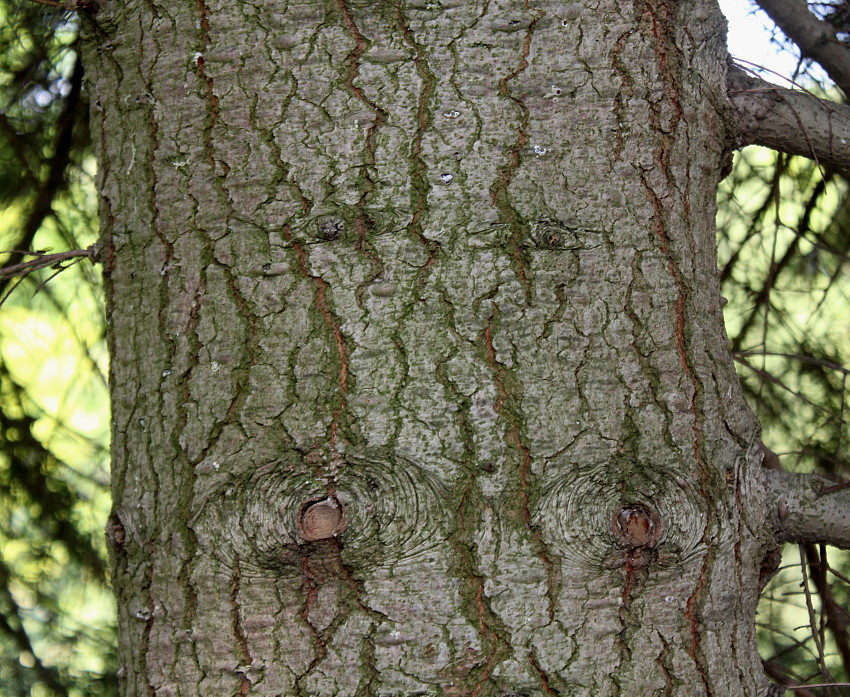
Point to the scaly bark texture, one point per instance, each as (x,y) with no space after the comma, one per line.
(420,379)
(792,121)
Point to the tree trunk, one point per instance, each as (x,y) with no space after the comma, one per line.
(420,379)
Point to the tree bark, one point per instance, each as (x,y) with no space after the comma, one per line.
(810,509)
(792,121)
(419,373)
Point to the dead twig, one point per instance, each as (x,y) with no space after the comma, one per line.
(828,679)
(43,260)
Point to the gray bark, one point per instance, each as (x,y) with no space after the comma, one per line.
(790,120)
(810,509)
(419,374)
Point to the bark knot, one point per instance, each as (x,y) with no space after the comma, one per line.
(636,525)
(321,519)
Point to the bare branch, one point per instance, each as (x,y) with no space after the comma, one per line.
(837,618)
(59,262)
(778,672)
(813,621)
(790,120)
(772,379)
(815,38)
(820,684)
(808,508)
(809,360)
(43,261)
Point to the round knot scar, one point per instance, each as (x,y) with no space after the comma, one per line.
(321,520)
(330,228)
(636,526)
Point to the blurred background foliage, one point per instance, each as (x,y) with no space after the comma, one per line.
(784,241)
(57,617)
(784,257)
(784,237)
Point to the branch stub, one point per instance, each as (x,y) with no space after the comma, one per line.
(321,519)
(636,525)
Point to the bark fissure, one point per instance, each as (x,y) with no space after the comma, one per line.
(360,46)
(509,405)
(499,188)
(495,643)
(333,324)
(236,619)
(662,43)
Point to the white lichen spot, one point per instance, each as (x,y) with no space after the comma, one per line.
(216,466)
(215,366)
(447,178)
(166,373)
(453,114)
(540,150)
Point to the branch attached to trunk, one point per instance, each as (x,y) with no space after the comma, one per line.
(790,120)
(815,38)
(809,508)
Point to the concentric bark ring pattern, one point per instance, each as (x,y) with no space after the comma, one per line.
(578,510)
(391,511)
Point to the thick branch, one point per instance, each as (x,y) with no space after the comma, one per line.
(809,508)
(815,37)
(790,120)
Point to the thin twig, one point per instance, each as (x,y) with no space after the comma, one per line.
(835,487)
(838,575)
(776,381)
(785,677)
(797,357)
(756,66)
(841,417)
(820,684)
(813,620)
(833,616)
(43,261)
(58,270)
